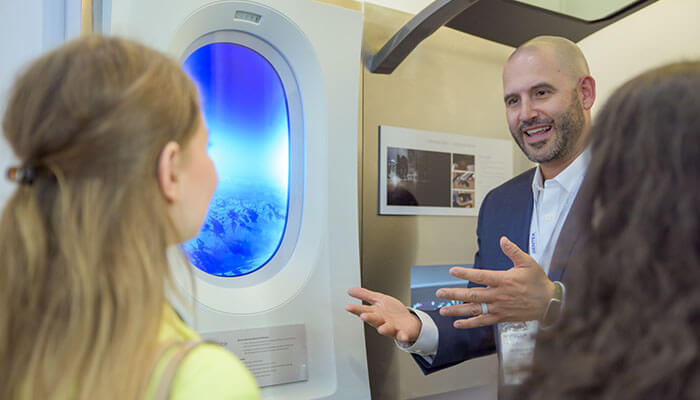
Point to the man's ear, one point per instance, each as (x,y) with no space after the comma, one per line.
(168,178)
(587,87)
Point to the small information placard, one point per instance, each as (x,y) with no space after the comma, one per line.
(274,355)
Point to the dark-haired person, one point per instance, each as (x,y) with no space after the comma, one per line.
(114,170)
(548,94)
(631,326)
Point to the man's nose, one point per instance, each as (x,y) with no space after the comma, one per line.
(527,111)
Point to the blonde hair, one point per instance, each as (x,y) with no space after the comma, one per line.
(83,262)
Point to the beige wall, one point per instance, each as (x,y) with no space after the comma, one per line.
(450,83)
(663,32)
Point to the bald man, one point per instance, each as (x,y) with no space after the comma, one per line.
(548,94)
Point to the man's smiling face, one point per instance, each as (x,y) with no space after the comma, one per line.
(544,112)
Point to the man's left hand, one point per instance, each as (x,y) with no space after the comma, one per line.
(521,293)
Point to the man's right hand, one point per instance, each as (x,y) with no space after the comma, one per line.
(388,315)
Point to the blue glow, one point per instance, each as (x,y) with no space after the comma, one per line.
(245,109)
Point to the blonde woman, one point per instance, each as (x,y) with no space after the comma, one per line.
(113,171)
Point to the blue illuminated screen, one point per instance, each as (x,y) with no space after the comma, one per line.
(245,110)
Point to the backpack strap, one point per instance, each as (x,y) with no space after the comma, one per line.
(166,379)
(164,350)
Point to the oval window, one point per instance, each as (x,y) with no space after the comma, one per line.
(245,109)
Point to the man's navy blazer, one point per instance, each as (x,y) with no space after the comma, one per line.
(505,211)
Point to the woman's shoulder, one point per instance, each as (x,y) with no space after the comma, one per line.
(208,371)
(211,372)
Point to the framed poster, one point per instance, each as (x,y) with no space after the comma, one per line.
(432,173)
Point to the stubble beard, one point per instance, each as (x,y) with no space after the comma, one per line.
(567,127)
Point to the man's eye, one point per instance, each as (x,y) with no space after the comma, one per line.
(541,92)
(511,101)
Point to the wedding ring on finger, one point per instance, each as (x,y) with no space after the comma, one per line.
(484,309)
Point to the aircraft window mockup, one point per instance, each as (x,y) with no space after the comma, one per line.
(258,82)
(245,108)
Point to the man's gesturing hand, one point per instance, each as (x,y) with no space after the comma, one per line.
(386,314)
(518,294)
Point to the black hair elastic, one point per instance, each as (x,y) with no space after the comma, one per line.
(24,175)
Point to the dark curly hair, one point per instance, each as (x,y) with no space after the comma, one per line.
(631,328)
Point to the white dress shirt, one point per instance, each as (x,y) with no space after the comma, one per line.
(552,201)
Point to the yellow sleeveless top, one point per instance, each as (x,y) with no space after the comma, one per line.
(207,372)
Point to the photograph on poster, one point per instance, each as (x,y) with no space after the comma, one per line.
(462,199)
(417,178)
(463,180)
(463,171)
(430,173)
